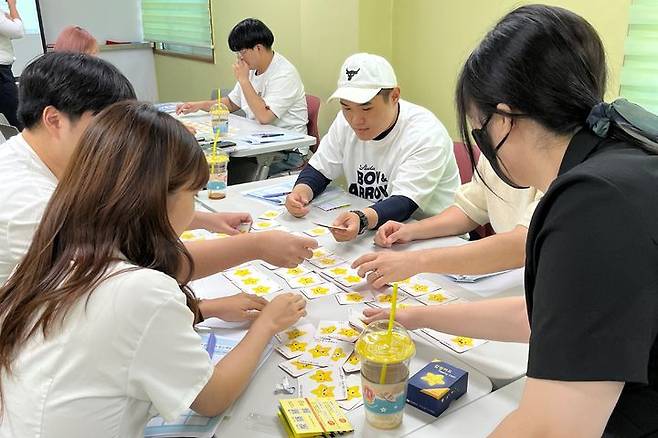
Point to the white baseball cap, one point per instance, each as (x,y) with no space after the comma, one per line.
(362,76)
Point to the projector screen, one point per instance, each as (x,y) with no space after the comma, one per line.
(33,43)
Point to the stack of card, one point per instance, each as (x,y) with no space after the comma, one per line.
(326,352)
(344,275)
(264,224)
(323,383)
(354,297)
(383,299)
(194,235)
(270,214)
(353,392)
(327,261)
(295,340)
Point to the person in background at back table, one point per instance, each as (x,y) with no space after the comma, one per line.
(394,153)
(96,332)
(76,39)
(11,28)
(268,89)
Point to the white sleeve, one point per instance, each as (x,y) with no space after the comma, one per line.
(530,210)
(235,95)
(471,198)
(170,366)
(282,92)
(12,29)
(328,160)
(23,224)
(421,171)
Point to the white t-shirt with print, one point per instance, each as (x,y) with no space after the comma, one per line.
(281,87)
(415,160)
(130,354)
(501,205)
(26,185)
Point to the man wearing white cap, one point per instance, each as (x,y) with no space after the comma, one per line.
(390,151)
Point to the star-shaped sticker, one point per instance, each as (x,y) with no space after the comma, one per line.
(319,351)
(323,391)
(320,290)
(322,376)
(433,379)
(463,341)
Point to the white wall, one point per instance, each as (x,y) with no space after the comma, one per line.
(107,20)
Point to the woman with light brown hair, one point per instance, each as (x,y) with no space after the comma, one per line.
(76,39)
(96,335)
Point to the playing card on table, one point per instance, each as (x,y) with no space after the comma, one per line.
(303,331)
(327,352)
(353,396)
(354,297)
(321,290)
(417,286)
(265,286)
(263,224)
(270,214)
(438,297)
(290,273)
(270,266)
(295,368)
(352,364)
(351,280)
(321,252)
(326,262)
(307,280)
(340,330)
(244,271)
(459,344)
(355,318)
(405,305)
(385,296)
(295,340)
(337,271)
(323,383)
(317,232)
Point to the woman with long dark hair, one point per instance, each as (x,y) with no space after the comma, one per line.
(531,96)
(96,333)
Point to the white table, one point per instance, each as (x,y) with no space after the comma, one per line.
(479,418)
(501,362)
(241,126)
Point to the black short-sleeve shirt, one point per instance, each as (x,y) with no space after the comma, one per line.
(592,277)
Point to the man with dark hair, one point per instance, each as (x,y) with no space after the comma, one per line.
(391,152)
(268,89)
(59,95)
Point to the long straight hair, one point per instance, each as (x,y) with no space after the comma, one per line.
(545,62)
(110,204)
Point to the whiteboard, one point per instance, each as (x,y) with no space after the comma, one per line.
(33,43)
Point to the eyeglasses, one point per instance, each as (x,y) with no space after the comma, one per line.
(490,152)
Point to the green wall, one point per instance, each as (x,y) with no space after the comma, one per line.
(426,40)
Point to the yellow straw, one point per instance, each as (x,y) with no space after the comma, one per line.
(213,156)
(389,332)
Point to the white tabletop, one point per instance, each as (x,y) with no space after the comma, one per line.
(241,126)
(479,418)
(501,362)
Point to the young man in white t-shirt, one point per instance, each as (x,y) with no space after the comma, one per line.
(60,94)
(394,153)
(268,89)
(485,199)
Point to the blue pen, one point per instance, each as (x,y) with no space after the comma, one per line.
(275,195)
(210,345)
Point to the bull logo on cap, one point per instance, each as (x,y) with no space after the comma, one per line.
(351,73)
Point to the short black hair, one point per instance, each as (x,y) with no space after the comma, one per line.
(74,83)
(248,33)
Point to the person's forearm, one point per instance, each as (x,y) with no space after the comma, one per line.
(256,103)
(13,11)
(212,256)
(503,319)
(229,104)
(450,222)
(233,373)
(200,220)
(492,254)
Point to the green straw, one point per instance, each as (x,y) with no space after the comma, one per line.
(389,332)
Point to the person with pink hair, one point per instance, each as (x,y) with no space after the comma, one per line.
(76,39)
